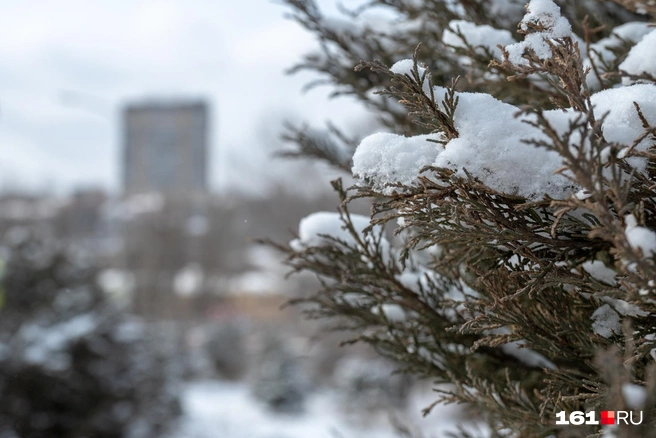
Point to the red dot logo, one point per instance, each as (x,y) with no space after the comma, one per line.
(607,417)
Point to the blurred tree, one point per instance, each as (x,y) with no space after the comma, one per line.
(71,365)
(277,379)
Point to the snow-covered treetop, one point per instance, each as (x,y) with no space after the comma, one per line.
(496,144)
(543,22)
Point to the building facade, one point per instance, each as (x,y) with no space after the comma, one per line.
(165,147)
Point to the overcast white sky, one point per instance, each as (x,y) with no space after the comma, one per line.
(68,66)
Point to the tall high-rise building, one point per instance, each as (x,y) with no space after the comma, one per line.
(165,147)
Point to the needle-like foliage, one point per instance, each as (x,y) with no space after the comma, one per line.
(522,264)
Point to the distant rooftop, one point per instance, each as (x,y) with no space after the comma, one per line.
(168,103)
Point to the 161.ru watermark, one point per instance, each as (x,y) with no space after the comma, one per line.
(607,417)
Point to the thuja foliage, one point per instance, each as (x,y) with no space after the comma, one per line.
(528,301)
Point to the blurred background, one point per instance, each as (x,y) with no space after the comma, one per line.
(137,143)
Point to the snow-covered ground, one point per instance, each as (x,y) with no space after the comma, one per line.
(215,409)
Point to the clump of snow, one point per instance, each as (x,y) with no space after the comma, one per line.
(560,120)
(634,395)
(606,322)
(491,147)
(392,312)
(632,31)
(416,279)
(624,308)
(622,125)
(527,356)
(545,15)
(608,315)
(622,154)
(621,122)
(582,195)
(640,238)
(620,306)
(384,159)
(599,271)
(641,58)
(406,67)
(602,52)
(520,351)
(481,37)
(313,229)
